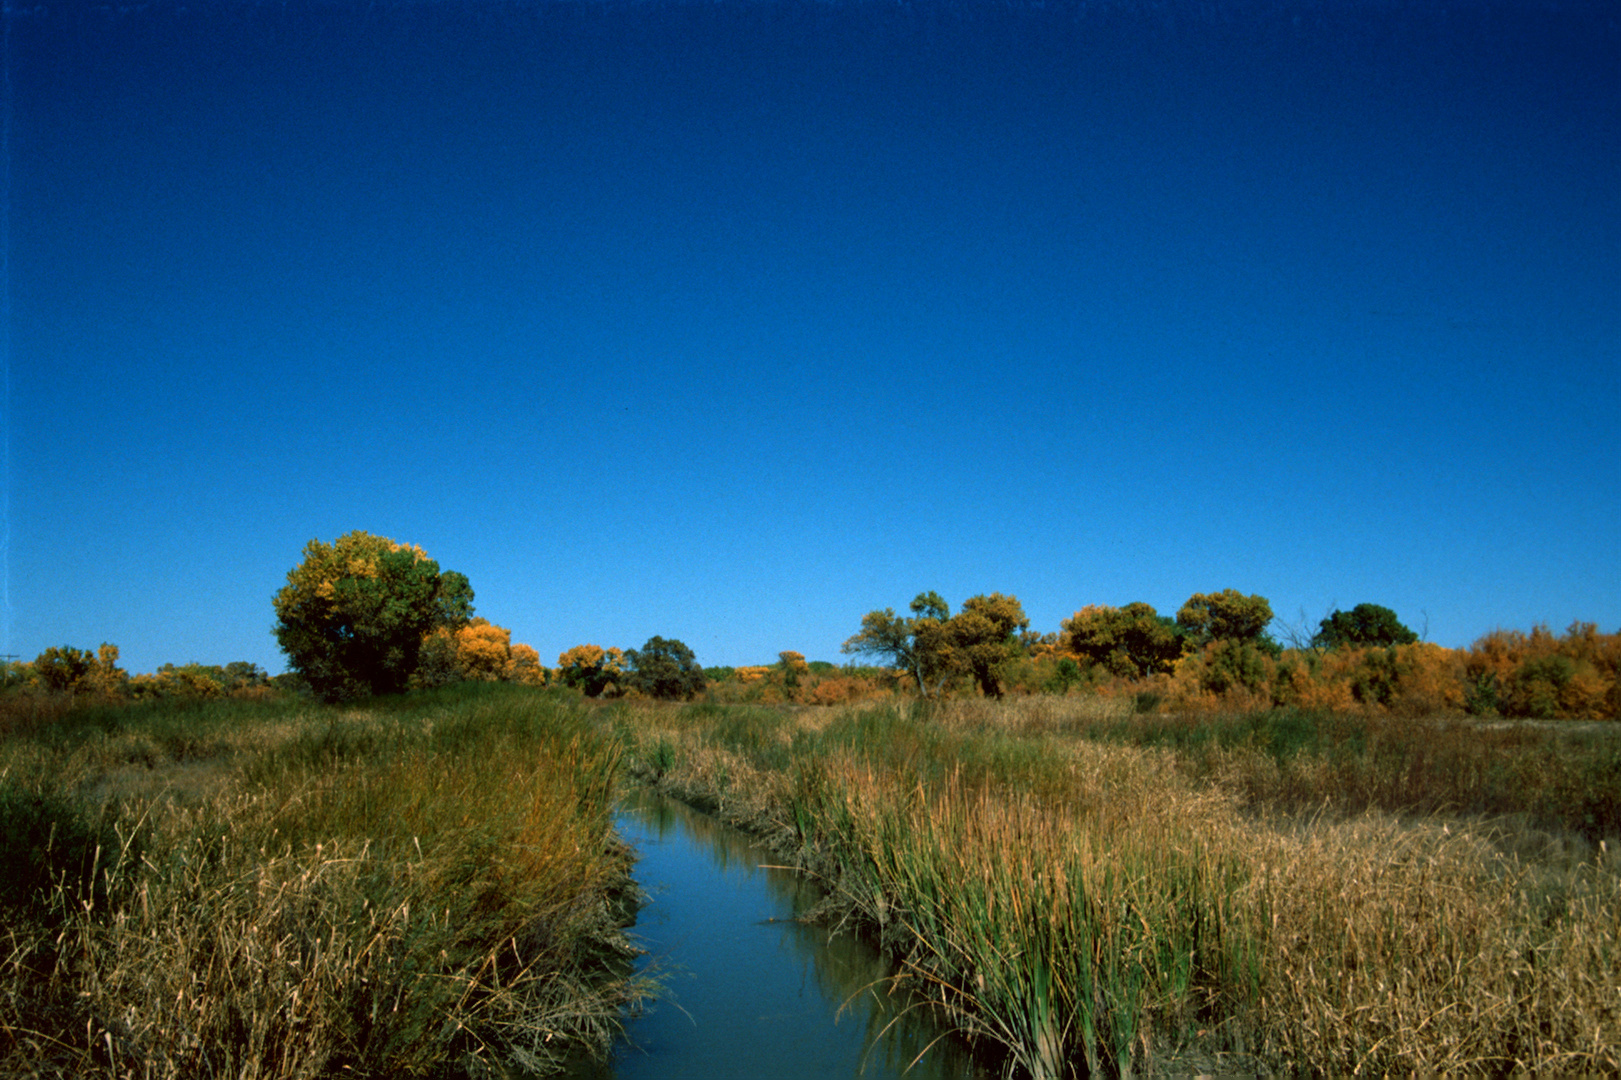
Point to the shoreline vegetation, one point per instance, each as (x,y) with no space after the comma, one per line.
(413,886)
(429,884)
(1088,890)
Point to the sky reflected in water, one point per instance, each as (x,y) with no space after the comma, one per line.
(754,993)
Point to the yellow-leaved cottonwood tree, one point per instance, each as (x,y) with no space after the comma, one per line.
(353,615)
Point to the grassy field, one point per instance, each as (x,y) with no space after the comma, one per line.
(426,886)
(430,885)
(1087,889)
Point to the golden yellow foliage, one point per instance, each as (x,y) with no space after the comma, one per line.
(484,651)
(526,668)
(591,668)
(592,656)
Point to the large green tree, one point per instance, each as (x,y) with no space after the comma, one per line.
(1365,624)
(1132,641)
(933,645)
(1227,616)
(665,668)
(353,614)
(916,645)
(984,637)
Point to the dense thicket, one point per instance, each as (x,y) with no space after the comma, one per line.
(366,615)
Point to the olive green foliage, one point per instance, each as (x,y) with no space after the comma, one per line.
(1227,616)
(1132,642)
(982,638)
(1066,673)
(1365,624)
(1231,664)
(913,645)
(438,662)
(60,668)
(1536,685)
(665,668)
(934,645)
(199,680)
(66,670)
(353,615)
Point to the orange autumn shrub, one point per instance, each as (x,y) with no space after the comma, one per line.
(1429,679)
(1541,676)
(484,651)
(843,689)
(1308,681)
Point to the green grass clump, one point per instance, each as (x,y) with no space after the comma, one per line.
(50,847)
(416,888)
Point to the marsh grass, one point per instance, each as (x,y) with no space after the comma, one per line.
(1095,890)
(1421,946)
(412,889)
(1561,776)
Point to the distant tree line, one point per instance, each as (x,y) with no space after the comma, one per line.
(365,615)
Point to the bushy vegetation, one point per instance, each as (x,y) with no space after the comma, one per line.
(1173,843)
(1219,654)
(365,615)
(423,886)
(1090,888)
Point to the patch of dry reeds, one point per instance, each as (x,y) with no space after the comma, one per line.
(1092,905)
(1403,946)
(367,896)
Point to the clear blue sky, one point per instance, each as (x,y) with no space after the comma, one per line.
(732,321)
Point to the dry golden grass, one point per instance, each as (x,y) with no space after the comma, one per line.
(362,893)
(1421,946)
(1093,905)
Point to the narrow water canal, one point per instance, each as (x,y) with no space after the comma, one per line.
(750,992)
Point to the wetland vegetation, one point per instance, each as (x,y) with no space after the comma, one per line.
(429,884)
(1087,889)
(1141,845)
(277,888)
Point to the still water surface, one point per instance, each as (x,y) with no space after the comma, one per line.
(750,993)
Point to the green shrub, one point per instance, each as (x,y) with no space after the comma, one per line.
(1482,693)
(1537,683)
(1065,675)
(50,847)
(1233,664)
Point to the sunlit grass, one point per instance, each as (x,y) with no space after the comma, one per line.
(1091,889)
(407,889)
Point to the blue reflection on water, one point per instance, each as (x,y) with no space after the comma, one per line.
(751,992)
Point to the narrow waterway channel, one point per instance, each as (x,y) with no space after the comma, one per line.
(751,992)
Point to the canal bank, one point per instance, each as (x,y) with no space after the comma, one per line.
(750,991)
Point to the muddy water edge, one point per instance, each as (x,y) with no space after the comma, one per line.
(749,991)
